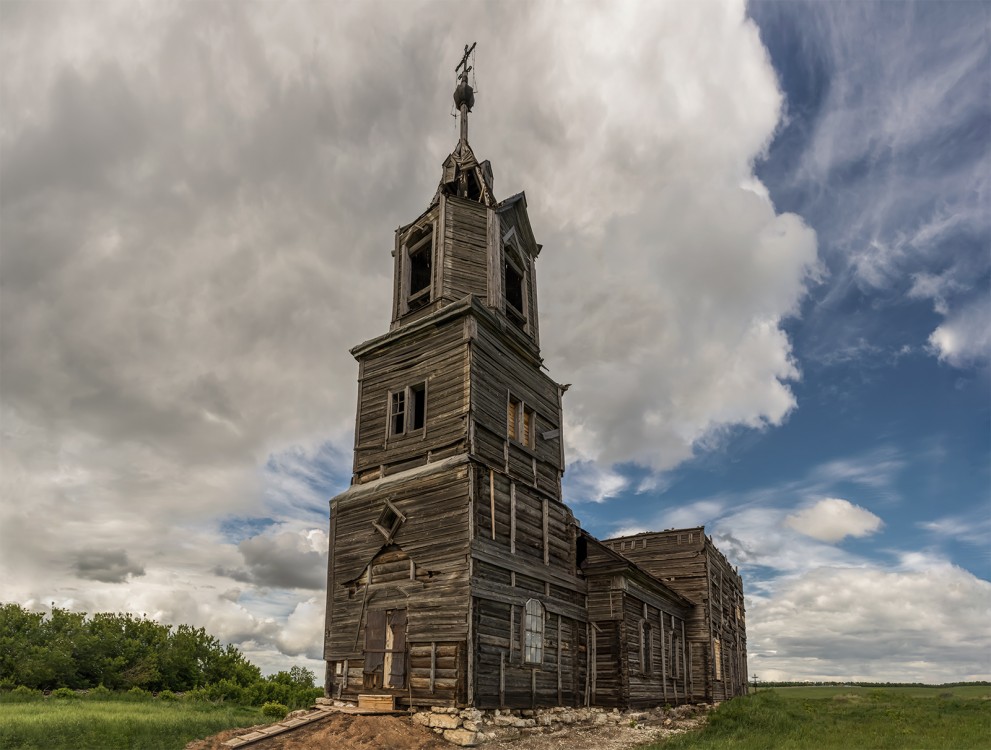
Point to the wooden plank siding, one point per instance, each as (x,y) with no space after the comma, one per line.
(621,597)
(453,531)
(689,563)
(423,570)
(436,355)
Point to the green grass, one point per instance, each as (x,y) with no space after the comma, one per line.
(55,724)
(841,718)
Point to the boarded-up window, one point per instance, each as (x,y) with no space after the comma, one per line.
(533,632)
(527,436)
(512,416)
(717,648)
(520,422)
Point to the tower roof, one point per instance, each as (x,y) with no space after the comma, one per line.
(464,176)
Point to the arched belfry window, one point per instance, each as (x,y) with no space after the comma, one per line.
(514,280)
(418,254)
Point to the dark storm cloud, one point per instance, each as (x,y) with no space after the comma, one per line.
(109,566)
(283,560)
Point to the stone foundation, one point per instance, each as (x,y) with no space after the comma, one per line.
(470,726)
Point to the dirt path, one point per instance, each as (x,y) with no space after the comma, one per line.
(356,732)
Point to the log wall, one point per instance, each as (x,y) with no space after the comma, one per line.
(689,563)
(423,569)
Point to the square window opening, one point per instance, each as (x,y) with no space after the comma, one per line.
(408,410)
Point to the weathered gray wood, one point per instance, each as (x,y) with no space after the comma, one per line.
(455,520)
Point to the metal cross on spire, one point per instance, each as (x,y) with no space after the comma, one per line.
(464,60)
(464,96)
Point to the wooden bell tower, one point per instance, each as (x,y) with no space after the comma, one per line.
(452,575)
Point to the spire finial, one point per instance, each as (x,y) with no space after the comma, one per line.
(464,95)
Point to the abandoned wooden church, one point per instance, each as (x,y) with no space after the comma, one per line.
(457,575)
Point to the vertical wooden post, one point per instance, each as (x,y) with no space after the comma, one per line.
(502,679)
(433,664)
(558,655)
(547,541)
(664,660)
(512,630)
(689,673)
(512,517)
(492,501)
(533,687)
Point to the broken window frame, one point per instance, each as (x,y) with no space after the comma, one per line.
(533,622)
(513,259)
(419,240)
(386,527)
(408,404)
(521,422)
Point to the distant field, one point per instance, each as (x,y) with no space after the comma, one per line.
(841,718)
(115,725)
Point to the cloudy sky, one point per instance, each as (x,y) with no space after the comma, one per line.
(766,234)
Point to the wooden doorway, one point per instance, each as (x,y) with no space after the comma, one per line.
(385,649)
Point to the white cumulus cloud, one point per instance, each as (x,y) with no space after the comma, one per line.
(832,518)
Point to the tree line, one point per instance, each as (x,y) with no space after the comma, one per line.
(120,652)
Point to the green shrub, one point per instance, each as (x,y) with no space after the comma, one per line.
(275,710)
(167,695)
(224,690)
(7,684)
(65,692)
(100,693)
(23,694)
(136,694)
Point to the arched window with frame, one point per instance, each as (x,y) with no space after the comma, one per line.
(533,632)
(646,647)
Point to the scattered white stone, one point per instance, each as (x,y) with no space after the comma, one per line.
(461,737)
(445,721)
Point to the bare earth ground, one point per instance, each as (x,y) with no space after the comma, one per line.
(356,732)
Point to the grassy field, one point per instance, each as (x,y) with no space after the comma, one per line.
(842,718)
(115,725)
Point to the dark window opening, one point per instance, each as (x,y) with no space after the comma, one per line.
(408,409)
(419,251)
(513,285)
(418,396)
(473,191)
(581,552)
